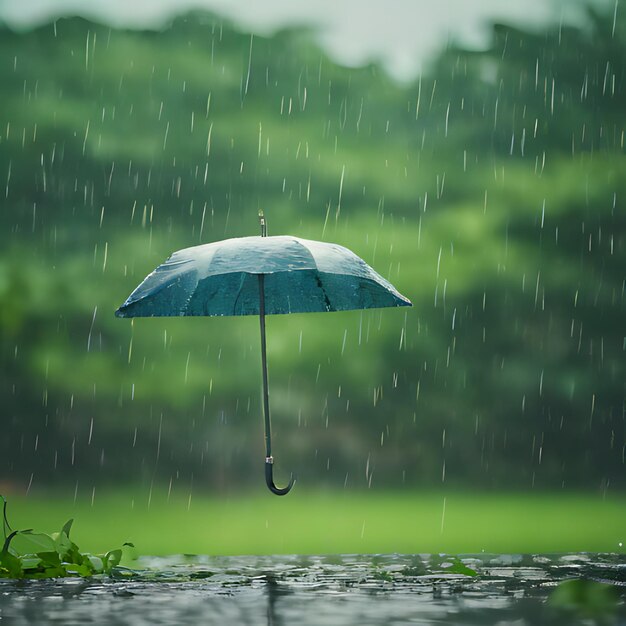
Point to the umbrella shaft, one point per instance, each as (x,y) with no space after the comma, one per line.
(266,397)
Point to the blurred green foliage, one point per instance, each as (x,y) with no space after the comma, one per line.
(490,191)
(586,599)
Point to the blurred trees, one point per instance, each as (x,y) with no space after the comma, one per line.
(490,191)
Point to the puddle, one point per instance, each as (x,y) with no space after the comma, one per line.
(349,589)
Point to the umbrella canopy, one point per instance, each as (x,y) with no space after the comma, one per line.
(301,276)
(261,276)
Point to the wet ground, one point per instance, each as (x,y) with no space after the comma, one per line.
(502,590)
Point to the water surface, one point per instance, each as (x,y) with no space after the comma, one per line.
(348,589)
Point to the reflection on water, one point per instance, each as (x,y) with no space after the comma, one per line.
(381,589)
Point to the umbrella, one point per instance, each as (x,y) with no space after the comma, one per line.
(261,276)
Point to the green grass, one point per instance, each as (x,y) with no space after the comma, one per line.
(325,522)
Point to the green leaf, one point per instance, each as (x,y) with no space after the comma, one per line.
(28,542)
(29,561)
(6,528)
(7,541)
(10,565)
(63,545)
(588,598)
(50,572)
(112,559)
(50,559)
(81,570)
(122,572)
(458,567)
(96,563)
(67,527)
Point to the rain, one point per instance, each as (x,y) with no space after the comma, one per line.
(482,178)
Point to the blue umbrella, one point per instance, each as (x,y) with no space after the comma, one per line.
(261,276)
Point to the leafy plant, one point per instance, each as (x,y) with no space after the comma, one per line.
(588,599)
(454,565)
(29,554)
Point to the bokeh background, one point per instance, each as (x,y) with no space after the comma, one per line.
(485,177)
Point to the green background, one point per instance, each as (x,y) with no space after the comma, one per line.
(490,191)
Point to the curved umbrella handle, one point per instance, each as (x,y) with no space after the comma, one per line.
(269,479)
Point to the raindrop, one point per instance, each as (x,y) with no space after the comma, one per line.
(86,135)
(6,194)
(245,91)
(167,130)
(93,319)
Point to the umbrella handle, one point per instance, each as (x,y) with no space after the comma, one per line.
(269,459)
(269,479)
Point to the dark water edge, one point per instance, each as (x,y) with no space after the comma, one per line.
(514,590)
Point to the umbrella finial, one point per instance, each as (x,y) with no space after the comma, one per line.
(262,223)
